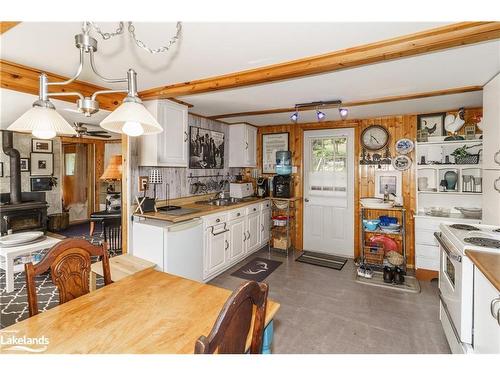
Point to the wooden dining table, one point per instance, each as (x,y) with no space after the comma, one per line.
(148,312)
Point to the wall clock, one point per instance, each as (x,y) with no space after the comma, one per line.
(374,137)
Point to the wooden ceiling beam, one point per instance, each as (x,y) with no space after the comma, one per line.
(433,40)
(7,25)
(25,79)
(386,99)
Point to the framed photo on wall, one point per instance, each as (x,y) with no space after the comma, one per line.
(42,164)
(41,183)
(390,180)
(433,123)
(41,145)
(206,148)
(25,164)
(1,168)
(270,144)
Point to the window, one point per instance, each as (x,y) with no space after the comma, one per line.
(69,164)
(328,172)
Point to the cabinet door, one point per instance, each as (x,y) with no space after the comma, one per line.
(173,141)
(265,226)
(147,242)
(486,310)
(237,239)
(491,197)
(217,245)
(253,232)
(491,121)
(251,146)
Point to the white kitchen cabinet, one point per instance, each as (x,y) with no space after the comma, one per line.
(491,124)
(169,148)
(491,197)
(237,240)
(253,232)
(216,248)
(265,226)
(486,320)
(147,241)
(242,146)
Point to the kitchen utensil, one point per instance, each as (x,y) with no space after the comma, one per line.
(471,212)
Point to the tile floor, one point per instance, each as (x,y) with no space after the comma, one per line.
(326,311)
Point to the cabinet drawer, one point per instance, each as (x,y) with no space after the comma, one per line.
(427,263)
(211,220)
(253,208)
(265,205)
(425,237)
(431,252)
(238,213)
(427,224)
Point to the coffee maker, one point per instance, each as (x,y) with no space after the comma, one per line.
(262,187)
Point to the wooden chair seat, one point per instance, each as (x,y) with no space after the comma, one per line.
(70,266)
(230,332)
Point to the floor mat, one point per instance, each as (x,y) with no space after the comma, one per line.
(410,285)
(257,269)
(323,260)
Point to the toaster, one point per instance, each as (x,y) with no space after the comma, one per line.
(240,190)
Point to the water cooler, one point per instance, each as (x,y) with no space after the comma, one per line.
(282,182)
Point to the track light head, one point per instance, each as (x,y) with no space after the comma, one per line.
(295,116)
(343,112)
(320,115)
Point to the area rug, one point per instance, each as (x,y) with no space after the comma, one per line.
(257,269)
(410,285)
(323,260)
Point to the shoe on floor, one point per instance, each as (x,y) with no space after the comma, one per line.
(398,276)
(388,275)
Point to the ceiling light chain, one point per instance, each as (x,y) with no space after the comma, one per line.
(138,42)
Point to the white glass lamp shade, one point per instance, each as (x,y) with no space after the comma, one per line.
(133,119)
(155,177)
(42,122)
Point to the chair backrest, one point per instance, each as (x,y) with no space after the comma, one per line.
(69,264)
(113,235)
(230,332)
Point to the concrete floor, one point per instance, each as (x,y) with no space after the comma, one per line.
(326,311)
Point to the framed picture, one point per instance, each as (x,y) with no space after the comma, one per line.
(41,145)
(25,164)
(41,183)
(390,180)
(1,168)
(270,144)
(206,148)
(433,123)
(42,164)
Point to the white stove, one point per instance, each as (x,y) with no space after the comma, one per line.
(456,276)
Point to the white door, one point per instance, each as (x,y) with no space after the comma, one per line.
(329,191)
(253,230)
(237,239)
(217,244)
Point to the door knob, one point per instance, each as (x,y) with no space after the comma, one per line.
(306,200)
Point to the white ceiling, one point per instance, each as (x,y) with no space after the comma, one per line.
(209,49)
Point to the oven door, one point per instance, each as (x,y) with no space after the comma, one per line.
(455,287)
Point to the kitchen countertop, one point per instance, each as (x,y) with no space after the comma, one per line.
(201,209)
(488,264)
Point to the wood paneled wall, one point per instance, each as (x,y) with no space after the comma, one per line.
(403,126)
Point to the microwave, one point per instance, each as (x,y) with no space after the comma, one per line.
(240,190)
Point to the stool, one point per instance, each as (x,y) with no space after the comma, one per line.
(121,266)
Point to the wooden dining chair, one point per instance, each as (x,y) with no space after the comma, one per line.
(69,264)
(112,229)
(230,331)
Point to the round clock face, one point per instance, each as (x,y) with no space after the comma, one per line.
(374,138)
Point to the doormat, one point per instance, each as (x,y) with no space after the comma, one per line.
(410,285)
(323,260)
(257,269)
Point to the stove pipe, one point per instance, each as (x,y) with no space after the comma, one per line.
(15,166)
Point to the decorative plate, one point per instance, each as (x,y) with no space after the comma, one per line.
(404,146)
(401,163)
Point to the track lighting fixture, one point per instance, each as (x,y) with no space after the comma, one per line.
(343,112)
(315,106)
(295,116)
(320,115)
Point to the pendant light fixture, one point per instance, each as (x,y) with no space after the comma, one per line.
(130,118)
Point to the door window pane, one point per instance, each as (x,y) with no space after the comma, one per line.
(69,164)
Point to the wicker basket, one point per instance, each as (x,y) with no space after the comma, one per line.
(374,254)
(280,243)
(469,159)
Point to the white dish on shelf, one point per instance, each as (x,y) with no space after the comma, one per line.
(20,238)
(370,200)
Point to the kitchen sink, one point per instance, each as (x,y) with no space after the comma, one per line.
(220,201)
